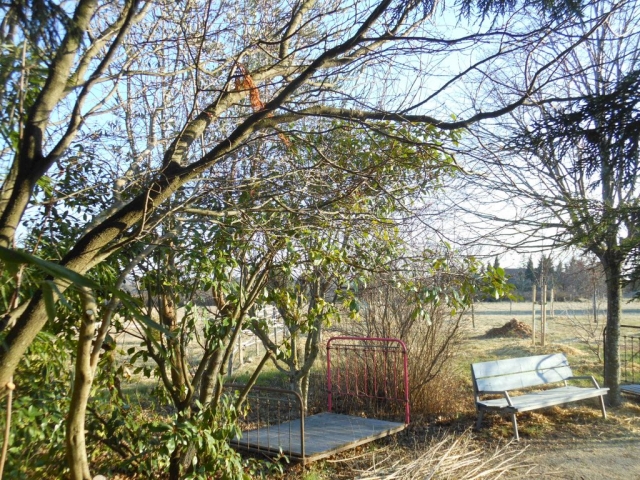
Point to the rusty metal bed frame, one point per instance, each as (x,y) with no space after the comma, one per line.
(629,348)
(366,377)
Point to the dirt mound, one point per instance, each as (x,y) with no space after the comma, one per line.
(513,328)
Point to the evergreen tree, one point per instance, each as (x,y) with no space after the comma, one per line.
(529,273)
(546,270)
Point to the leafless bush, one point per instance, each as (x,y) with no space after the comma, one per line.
(432,340)
(586,331)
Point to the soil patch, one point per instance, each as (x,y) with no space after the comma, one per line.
(513,329)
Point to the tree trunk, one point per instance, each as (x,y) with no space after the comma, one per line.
(176,463)
(27,326)
(13,210)
(75,438)
(182,454)
(300,385)
(473,315)
(210,377)
(613,272)
(169,318)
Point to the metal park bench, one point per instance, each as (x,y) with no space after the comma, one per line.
(366,379)
(504,377)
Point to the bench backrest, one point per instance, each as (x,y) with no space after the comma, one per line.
(519,373)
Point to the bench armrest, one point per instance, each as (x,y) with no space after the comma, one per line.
(586,377)
(505,393)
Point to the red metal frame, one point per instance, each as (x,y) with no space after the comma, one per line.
(379,361)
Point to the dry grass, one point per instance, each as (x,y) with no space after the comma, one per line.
(453,457)
(445,396)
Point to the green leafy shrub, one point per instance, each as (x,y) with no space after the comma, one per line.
(40,404)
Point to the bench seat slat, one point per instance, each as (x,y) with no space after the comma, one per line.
(547,398)
(525,379)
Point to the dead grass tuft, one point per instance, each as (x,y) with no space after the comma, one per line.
(581,421)
(446,394)
(454,457)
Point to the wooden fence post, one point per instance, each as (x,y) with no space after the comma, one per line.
(473,315)
(533,313)
(543,302)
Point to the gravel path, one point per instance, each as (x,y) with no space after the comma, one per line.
(594,450)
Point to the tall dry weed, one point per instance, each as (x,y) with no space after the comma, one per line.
(433,342)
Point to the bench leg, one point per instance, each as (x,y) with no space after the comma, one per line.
(515,427)
(479,422)
(604,411)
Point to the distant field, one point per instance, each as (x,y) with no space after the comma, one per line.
(571,330)
(565,318)
(522,310)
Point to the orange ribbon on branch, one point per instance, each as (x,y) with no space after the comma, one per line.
(245,82)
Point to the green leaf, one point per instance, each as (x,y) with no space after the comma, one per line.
(171,444)
(60,296)
(354,306)
(49,301)
(17,257)
(45,183)
(58,271)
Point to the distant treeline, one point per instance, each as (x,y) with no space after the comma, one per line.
(574,280)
